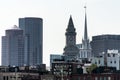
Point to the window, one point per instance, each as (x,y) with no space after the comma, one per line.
(3,77)
(108,55)
(105,78)
(115,62)
(113,55)
(79,78)
(110,61)
(109,78)
(69,72)
(96,78)
(7,77)
(95,62)
(100,78)
(99,62)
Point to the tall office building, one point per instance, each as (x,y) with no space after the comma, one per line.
(102,43)
(85,47)
(33,32)
(71,50)
(13,47)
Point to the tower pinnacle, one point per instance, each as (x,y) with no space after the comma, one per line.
(85,30)
(70,25)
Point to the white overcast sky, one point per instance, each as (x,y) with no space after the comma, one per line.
(103,17)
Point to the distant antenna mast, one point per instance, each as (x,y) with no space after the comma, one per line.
(85,5)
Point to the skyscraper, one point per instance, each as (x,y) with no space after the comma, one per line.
(70,51)
(13,47)
(33,32)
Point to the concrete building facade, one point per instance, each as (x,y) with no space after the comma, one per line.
(109,59)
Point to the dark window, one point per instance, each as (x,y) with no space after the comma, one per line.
(108,55)
(99,61)
(111,62)
(7,77)
(113,55)
(95,62)
(3,77)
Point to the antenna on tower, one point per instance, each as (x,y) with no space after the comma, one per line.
(85,7)
(85,30)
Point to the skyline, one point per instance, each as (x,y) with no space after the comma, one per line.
(102,18)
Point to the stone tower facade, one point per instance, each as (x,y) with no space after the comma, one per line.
(71,50)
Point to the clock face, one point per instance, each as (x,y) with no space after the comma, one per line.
(70,38)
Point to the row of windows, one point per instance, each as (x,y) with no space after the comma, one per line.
(84,54)
(111,55)
(11,77)
(99,62)
(106,37)
(95,78)
(62,66)
(65,73)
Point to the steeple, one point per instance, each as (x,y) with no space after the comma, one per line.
(85,50)
(70,25)
(85,30)
(85,42)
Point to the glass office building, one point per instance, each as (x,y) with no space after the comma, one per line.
(102,43)
(33,32)
(13,47)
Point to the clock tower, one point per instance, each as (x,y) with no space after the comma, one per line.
(70,50)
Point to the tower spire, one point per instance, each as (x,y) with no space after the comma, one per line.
(70,25)
(85,30)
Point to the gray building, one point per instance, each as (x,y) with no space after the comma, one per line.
(102,43)
(71,50)
(13,47)
(33,32)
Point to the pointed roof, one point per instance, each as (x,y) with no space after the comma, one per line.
(85,29)
(70,25)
